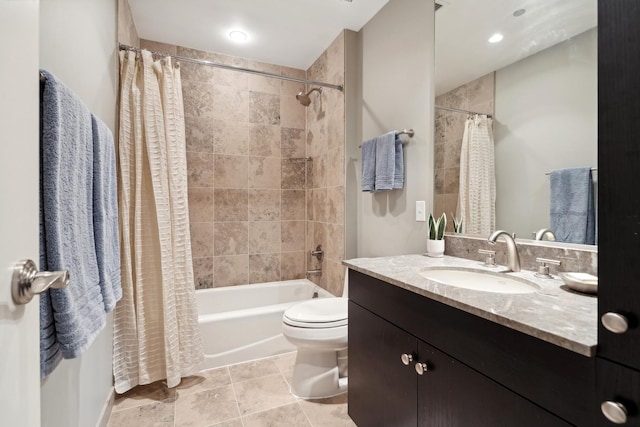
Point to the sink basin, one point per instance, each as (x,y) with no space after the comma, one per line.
(478,280)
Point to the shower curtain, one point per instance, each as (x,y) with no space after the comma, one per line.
(156,333)
(477,195)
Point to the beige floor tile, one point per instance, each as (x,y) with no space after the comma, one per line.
(285,363)
(231,423)
(145,395)
(330,412)
(284,416)
(254,369)
(151,415)
(206,408)
(262,393)
(205,380)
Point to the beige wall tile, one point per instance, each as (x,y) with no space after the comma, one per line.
(438,158)
(159,47)
(439,181)
(264,108)
(231,270)
(264,84)
(292,112)
(231,171)
(264,268)
(230,138)
(293,175)
(320,205)
(264,140)
(264,205)
(335,205)
(231,204)
(200,204)
(335,167)
(335,243)
(231,238)
(293,236)
(292,142)
(200,169)
(293,205)
(334,274)
(264,237)
(290,88)
(224,77)
(293,265)
(451,180)
(198,98)
(202,239)
(264,172)
(230,104)
(203,272)
(198,133)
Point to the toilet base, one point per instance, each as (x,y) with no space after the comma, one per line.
(316,375)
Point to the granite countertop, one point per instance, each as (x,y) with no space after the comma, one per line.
(553,314)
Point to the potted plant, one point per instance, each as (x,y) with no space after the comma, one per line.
(457,224)
(435,243)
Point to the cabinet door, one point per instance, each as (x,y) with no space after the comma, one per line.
(452,394)
(382,390)
(618,385)
(618,176)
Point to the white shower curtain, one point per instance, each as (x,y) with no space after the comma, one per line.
(156,333)
(477,195)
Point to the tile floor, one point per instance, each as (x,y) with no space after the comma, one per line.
(250,394)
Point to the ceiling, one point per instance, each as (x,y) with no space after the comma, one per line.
(292,33)
(464,26)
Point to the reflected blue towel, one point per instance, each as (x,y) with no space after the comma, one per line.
(385,161)
(572,207)
(398,176)
(369,166)
(72,317)
(105,213)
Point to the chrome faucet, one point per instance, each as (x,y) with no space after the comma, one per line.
(513,259)
(539,235)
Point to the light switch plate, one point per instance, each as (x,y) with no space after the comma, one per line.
(421,207)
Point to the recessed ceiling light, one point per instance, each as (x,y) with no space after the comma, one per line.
(519,12)
(238,36)
(496,38)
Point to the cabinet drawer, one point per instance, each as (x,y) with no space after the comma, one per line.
(620,384)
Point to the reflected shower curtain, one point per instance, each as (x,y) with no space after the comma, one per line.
(477,195)
(156,333)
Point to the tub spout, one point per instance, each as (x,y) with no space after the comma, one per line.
(314,273)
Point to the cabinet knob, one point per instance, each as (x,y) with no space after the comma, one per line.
(614,412)
(616,323)
(406,358)
(421,368)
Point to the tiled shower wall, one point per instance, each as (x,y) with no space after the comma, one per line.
(477,96)
(246,199)
(325,185)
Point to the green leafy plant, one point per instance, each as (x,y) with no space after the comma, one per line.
(437,227)
(457,224)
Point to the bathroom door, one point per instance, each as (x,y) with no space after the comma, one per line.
(19,104)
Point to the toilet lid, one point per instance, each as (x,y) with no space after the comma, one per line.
(318,313)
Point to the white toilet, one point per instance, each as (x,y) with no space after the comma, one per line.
(318,328)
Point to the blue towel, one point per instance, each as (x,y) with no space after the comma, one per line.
(572,207)
(105,213)
(369,166)
(72,317)
(385,161)
(398,177)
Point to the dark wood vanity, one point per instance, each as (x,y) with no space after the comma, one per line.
(477,373)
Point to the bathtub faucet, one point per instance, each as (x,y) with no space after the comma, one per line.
(314,272)
(318,253)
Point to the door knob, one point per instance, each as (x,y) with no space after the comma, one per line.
(421,368)
(614,412)
(406,358)
(26,281)
(614,322)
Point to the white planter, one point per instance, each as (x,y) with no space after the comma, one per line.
(435,248)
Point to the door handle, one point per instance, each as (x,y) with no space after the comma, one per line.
(26,281)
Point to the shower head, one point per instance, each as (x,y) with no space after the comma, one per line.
(304,99)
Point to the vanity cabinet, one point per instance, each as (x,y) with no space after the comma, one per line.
(383,391)
(618,366)
(478,373)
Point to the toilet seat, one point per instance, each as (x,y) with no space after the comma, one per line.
(318,313)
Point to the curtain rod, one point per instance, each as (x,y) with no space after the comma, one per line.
(457,110)
(234,68)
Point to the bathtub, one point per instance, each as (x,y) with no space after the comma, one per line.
(242,323)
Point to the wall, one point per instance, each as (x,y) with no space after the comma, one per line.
(325,120)
(246,195)
(397,89)
(477,96)
(546,118)
(78,45)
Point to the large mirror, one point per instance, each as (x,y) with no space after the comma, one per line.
(539,83)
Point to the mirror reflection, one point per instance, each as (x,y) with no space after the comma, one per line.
(537,84)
